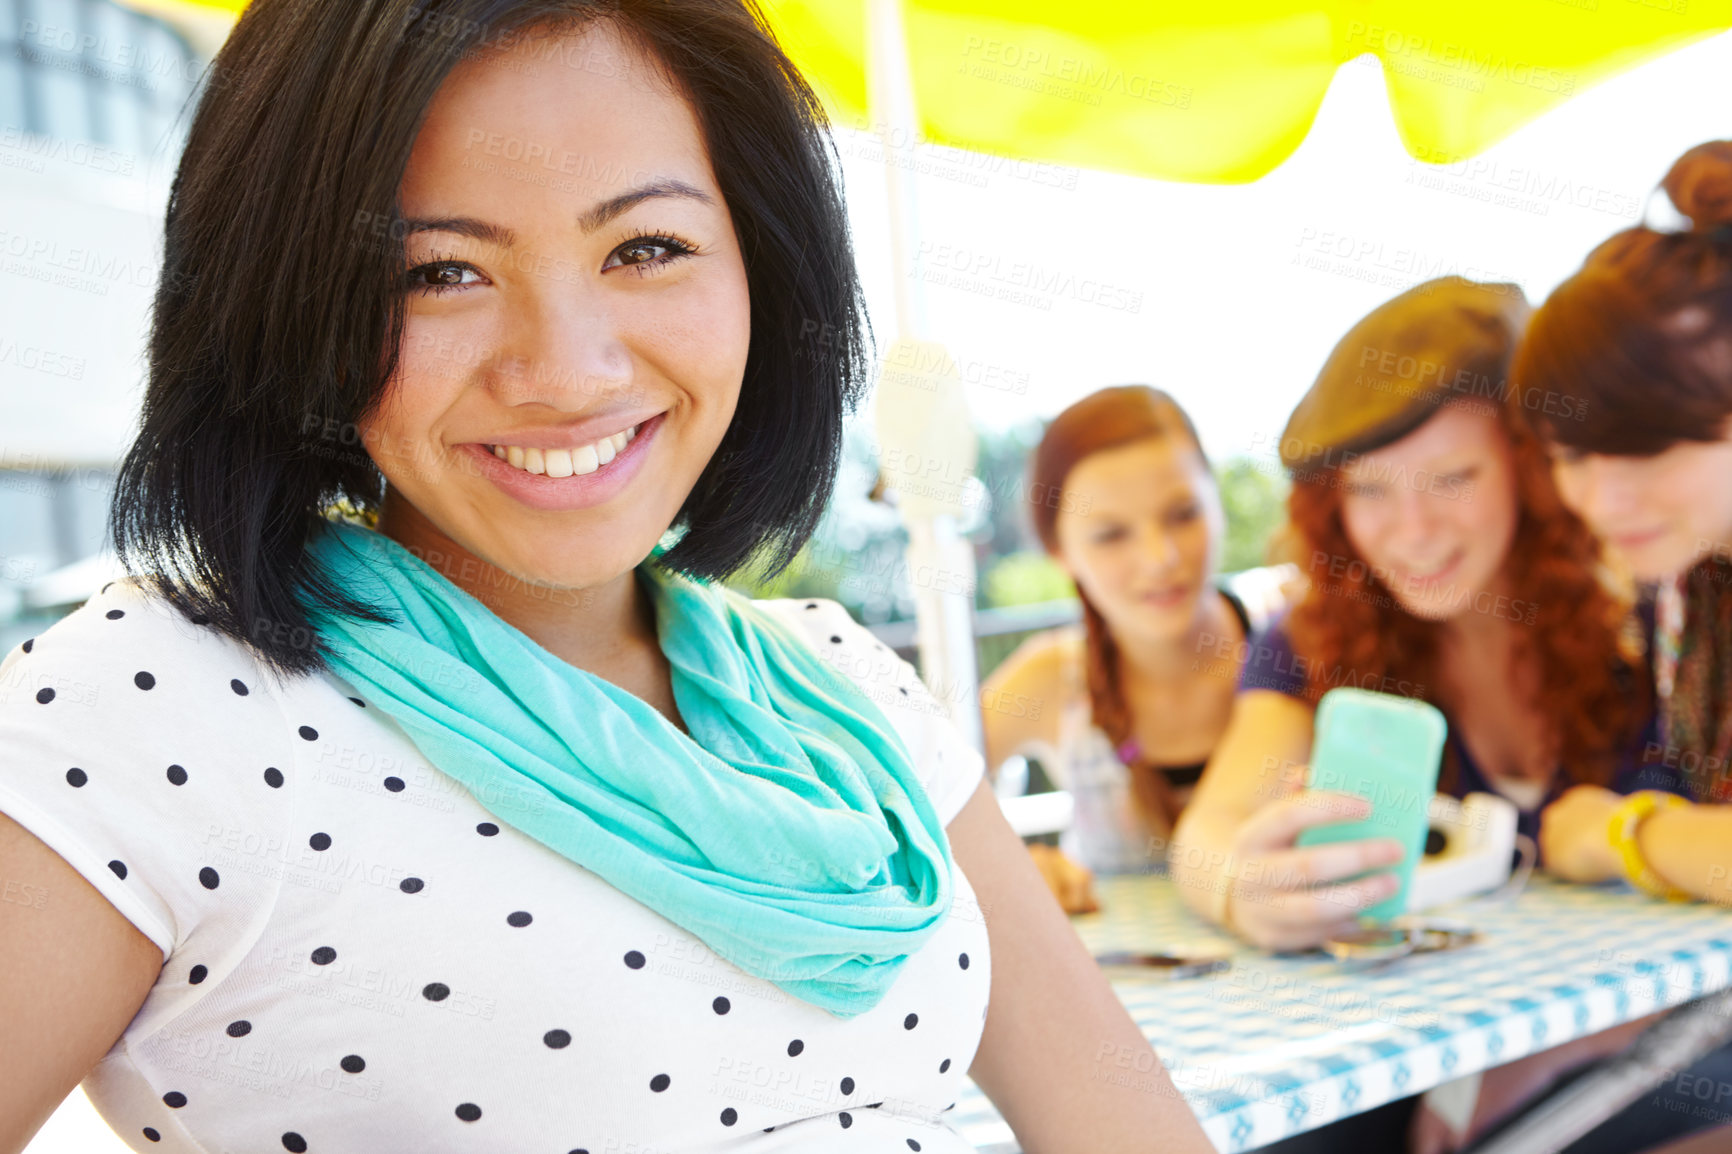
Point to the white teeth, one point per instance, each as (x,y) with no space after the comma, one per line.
(567,462)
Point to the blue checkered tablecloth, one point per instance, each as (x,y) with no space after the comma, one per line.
(1280,1044)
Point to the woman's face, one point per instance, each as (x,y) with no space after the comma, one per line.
(1139,528)
(572,280)
(1433,514)
(1662,513)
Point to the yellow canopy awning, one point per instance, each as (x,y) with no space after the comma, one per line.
(1225,91)
(1221,91)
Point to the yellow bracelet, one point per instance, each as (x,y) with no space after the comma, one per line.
(1626,821)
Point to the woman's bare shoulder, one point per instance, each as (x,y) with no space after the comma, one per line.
(1046,662)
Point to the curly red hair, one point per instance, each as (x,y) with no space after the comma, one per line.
(1354,628)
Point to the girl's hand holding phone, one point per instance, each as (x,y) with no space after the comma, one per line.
(1289,897)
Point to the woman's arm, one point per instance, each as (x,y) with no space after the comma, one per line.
(1247,810)
(1021,701)
(1060,1057)
(1688,846)
(1259,759)
(1691,847)
(74,973)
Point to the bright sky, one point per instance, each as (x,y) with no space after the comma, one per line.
(1246,288)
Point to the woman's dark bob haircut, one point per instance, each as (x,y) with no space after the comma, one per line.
(278,317)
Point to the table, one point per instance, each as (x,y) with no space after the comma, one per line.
(1280,1044)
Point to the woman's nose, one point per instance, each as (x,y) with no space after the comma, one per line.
(1159,549)
(1416,512)
(1602,492)
(564,349)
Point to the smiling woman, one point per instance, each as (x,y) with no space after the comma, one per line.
(420,765)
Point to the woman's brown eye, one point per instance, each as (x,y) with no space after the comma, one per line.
(639,253)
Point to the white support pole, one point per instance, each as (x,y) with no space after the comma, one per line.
(923,414)
(890,97)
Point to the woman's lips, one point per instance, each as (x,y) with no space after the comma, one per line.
(581,491)
(1630,542)
(1167,598)
(1436,576)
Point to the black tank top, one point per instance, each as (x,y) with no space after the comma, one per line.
(1183,775)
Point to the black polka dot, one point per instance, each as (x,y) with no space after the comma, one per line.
(44,696)
(294,1143)
(353,1063)
(197,974)
(359,702)
(435,991)
(174,1099)
(273,777)
(308,733)
(151,1134)
(239,686)
(486,829)
(944,1065)
(902,691)
(29,644)
(962,960)
(721,1005)
(729,1116)
(469,1111)
(394,784)
(847,1085)
(811,605)
(144,680)
(518,918)
(634,960)
(411,885)
(76,777)
(208,878)
(240,1029)
(324,956)
(115,614)
(320,841)
(835,640)
(119,868)
(911,1021)
(556,1039)
(912,1144)
(660,1082)
(177,775)
(846,1119)
(795,1047)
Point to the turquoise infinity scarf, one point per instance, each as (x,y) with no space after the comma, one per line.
(789,832)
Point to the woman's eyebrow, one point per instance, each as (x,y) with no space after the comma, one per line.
(501,237)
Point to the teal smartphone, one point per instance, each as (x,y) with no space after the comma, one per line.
(1386,749)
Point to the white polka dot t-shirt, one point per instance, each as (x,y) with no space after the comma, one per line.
(358,958)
